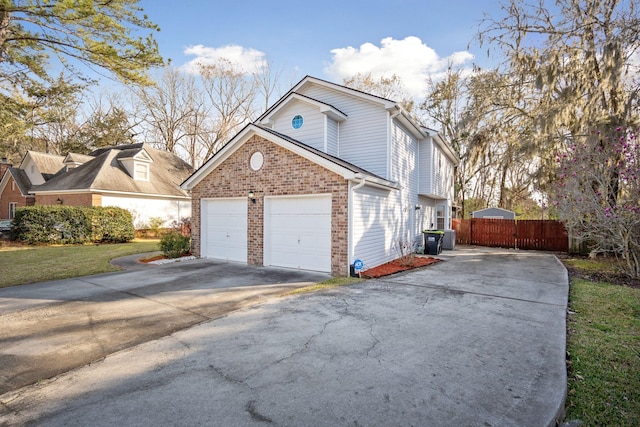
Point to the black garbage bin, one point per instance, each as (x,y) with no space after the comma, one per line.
(433,241)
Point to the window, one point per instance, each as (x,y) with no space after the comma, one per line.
(440,209)
(297,121)
(141,171)
(12,209)
(13,185)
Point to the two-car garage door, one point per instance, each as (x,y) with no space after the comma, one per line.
(297,231)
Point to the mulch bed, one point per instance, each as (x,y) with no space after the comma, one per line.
(158,258)
(397,266)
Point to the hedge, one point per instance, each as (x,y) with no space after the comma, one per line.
(72,224)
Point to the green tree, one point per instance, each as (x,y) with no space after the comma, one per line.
(96,33)
(42,47)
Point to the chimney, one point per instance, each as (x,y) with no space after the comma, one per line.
(4,165)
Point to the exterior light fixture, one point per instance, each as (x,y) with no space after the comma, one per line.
(418,207)
(59,201)
(252,196)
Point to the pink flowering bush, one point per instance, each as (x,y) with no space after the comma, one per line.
(598,193)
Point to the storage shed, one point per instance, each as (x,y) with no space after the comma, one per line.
(494,213)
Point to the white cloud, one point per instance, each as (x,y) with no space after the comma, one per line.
(410,59)
(247,59)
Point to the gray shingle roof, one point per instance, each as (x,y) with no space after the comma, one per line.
(48,164)
(105,172)
(21,179)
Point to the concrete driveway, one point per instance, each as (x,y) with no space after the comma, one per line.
(476,340)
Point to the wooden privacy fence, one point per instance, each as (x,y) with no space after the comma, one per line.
(544,235)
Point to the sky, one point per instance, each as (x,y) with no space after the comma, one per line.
(326,39)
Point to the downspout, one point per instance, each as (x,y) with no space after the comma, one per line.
(363,180)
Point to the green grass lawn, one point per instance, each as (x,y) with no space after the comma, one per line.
(30,264)
(604,352)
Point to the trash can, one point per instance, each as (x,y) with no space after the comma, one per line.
(433,242)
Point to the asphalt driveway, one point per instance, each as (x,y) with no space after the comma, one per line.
(476,340)
(50,328)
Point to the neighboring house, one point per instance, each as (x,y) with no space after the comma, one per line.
(325,176)
(16,183)
(494,213)
(136,177)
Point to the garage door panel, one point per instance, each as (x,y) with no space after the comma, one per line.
(298,232)
(225,232)
(304,224)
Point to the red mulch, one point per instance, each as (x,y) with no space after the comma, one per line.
(159,257)
(396,266)
(153,258)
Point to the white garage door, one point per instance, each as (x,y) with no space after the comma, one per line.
(224,229)
(297,232)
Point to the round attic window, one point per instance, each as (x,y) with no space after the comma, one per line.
(256,161)
(297,121)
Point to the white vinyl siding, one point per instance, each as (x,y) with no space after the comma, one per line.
(383,219)
(333,132)
(312,130)
(380,222)
(438,163)
(363,135)
(425,168)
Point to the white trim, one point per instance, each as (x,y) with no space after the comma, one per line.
(372,98)
(326,137)
(325,109)
(15,206)
(301,124)
(98,191)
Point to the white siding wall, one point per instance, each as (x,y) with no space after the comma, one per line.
(32,172)
(377,220)
(143,209)
(363,135)
(438,185)
(426,215)
(425,169)
(443,174)
(383,219)
(312,130)
(333,132)
(404,169)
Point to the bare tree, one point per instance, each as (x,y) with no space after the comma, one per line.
(231,94)
(385,87)
(167,107)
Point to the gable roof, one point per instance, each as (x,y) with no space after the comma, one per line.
(48,164)
(105,173)
(348,170)
(324,108)
(77,158)
(20,177)
(393,107)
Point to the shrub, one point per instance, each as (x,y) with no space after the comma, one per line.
(72,224)
(175,244)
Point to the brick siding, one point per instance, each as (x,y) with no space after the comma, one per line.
(283,173)
(12,194)
(76,199)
